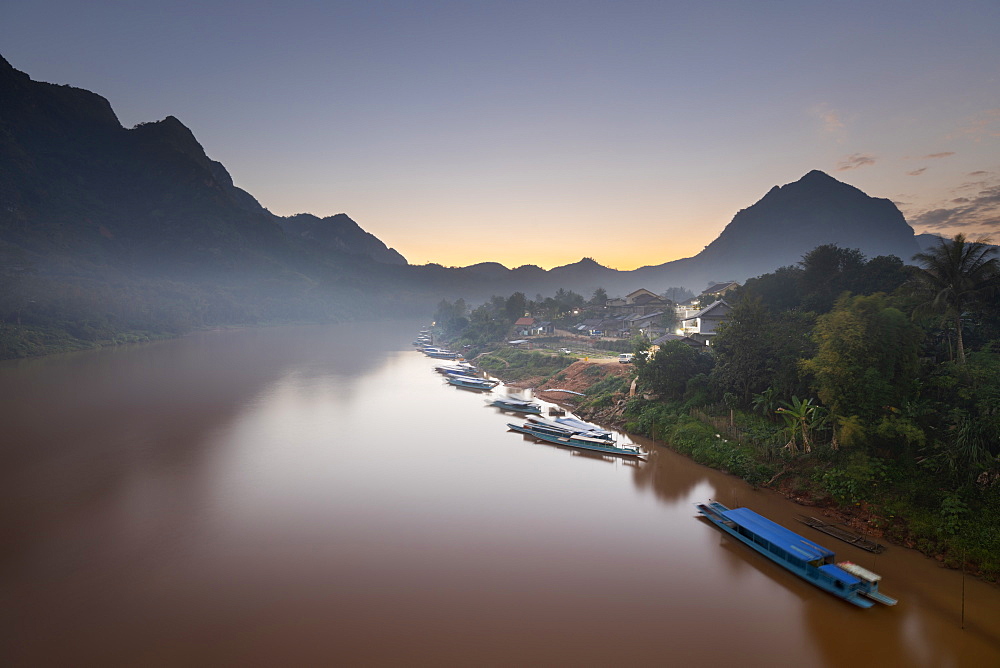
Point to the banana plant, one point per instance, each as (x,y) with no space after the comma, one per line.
(801,418)
(766,401)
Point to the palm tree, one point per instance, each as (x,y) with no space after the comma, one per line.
(956,275)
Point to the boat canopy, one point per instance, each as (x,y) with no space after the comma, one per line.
(580,425)
(838,573)
(515,402)
(777,535)
(859,571)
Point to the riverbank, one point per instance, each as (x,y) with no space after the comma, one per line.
(835,485)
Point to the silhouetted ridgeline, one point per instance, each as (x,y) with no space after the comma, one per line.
(109,233)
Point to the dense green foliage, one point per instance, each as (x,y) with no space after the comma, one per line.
(672,422)
(669,371)
(955,278)
(865,365)
(838,378)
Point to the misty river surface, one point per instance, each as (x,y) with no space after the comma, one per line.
(317,495)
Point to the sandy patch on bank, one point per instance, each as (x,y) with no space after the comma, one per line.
(578,379)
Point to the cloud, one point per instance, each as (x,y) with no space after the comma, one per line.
(830,118)
(982,210)
(855,161)
(984,125)
(917,172)
(831,121)
(932,156)
(978,173)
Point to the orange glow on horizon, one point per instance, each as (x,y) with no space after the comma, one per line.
(612,258)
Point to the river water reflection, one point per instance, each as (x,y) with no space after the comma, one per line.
(317,496)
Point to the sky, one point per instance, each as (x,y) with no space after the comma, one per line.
(541,132)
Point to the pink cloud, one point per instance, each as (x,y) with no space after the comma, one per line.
(855,161)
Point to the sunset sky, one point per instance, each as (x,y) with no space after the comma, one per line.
(541,132)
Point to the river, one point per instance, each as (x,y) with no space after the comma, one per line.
(316,495)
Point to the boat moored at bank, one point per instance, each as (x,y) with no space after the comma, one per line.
(568,425)
(810,561)
(456,369)
(472,382)
(543,431)
(516,405)
(442,353)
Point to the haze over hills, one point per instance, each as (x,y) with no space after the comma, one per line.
(82,196)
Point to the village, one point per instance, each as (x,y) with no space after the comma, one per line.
(641,313)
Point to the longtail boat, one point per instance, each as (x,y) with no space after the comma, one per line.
(831,529)
(472,383)
(516,405)
(810,561)
(575,439)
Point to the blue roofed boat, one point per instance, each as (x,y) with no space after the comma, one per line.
(810,561)
(516,405)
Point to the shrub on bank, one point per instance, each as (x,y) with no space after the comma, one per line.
(604,392)
(700,441)
(516,365)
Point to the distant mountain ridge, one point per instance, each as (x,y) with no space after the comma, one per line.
(74,182)
(788,222)
(79,190)
(777,230)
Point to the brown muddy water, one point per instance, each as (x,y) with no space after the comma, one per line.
(318,496)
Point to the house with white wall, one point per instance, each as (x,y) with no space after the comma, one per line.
(704,322)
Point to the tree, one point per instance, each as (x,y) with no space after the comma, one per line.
(677,294)
(955,277)
(779,290)
(452,318)
(884,273)
(600,298)
(756,348)
(828,271)
(742,350)
(515,306)
(668,371)
(866,361)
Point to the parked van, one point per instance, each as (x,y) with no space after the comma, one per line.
(626,358)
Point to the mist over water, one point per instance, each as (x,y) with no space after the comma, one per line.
(317,495)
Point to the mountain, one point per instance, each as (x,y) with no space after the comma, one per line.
(793,219)
(776,231)
(80,191)
(101,208)
(340,233)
